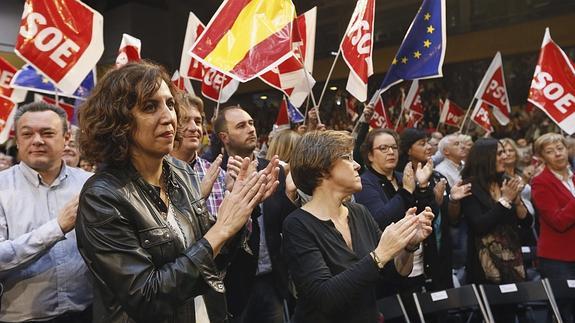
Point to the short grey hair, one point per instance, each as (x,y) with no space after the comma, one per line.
(445,141)
(40,107)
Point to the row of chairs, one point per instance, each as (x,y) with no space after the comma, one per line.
(471,300)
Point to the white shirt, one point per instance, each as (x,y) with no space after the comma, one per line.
(33,249)
(450,170)
(568,183)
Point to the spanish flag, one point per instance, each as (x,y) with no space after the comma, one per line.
(246,38)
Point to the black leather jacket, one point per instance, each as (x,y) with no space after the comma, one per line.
(142,272)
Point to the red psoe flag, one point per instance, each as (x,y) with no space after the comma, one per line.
(293,76)
(182,83)
(480,116)
(413,119)
(69,108)
(493,90)
(282,120)
(246,38)
(189,66)
(357,47)
(451,114)
(413,99)
(129,51)
(215,85)
(553,86)
(7,111)
(379,118)
(61,39)
(7,72)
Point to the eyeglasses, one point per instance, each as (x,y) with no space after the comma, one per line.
(347,157)
(385,148)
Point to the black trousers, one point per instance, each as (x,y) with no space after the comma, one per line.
(264,304)
(72,317)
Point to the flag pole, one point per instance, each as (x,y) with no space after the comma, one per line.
(402,109)
(329,76)
(439,123)
(462,127)
(218,103)
(306,110)
(309,89)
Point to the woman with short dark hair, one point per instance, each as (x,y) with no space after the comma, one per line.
(334,249)
(143,227)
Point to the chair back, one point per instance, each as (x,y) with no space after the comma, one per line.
(460,298)
(517,293)
(392,308)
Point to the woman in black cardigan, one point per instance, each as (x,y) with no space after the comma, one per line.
(493,213)
(334,249)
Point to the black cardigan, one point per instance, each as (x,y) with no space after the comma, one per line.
(333,282)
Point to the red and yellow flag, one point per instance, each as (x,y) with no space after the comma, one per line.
(245,38)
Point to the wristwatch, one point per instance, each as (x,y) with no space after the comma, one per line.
(504,202)
(378,262)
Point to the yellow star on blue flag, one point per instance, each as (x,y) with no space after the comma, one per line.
(425,42)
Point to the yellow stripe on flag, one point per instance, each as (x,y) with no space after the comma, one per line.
(258,20)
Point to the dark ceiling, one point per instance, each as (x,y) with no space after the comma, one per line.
(392,19)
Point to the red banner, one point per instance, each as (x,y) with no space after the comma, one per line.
(282,120)
(62,39)
(413,99)
(129,51)
(357,47)
(7,72)
(493,91)
(69,108)
(290,76)
(481,116)
(553,86)
(216,86)
(189,66)
(451,114)
(379,118)
(7,110)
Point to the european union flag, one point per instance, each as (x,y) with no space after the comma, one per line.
(29,78)
(294,114)
(423,48)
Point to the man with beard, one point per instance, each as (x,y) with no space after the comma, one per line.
(256,281)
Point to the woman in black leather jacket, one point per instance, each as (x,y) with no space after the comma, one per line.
(142,226)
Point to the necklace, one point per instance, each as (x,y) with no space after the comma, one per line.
(171,214)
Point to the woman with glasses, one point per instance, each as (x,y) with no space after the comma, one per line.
(553,193)
(334,249)
(493,213)
(385,192)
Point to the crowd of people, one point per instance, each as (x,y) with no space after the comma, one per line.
(132,218)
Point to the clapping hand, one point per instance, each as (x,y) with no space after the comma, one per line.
(424,227)
(460,191)
(210,178)
(511,188)
(423,173)
(408,180)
